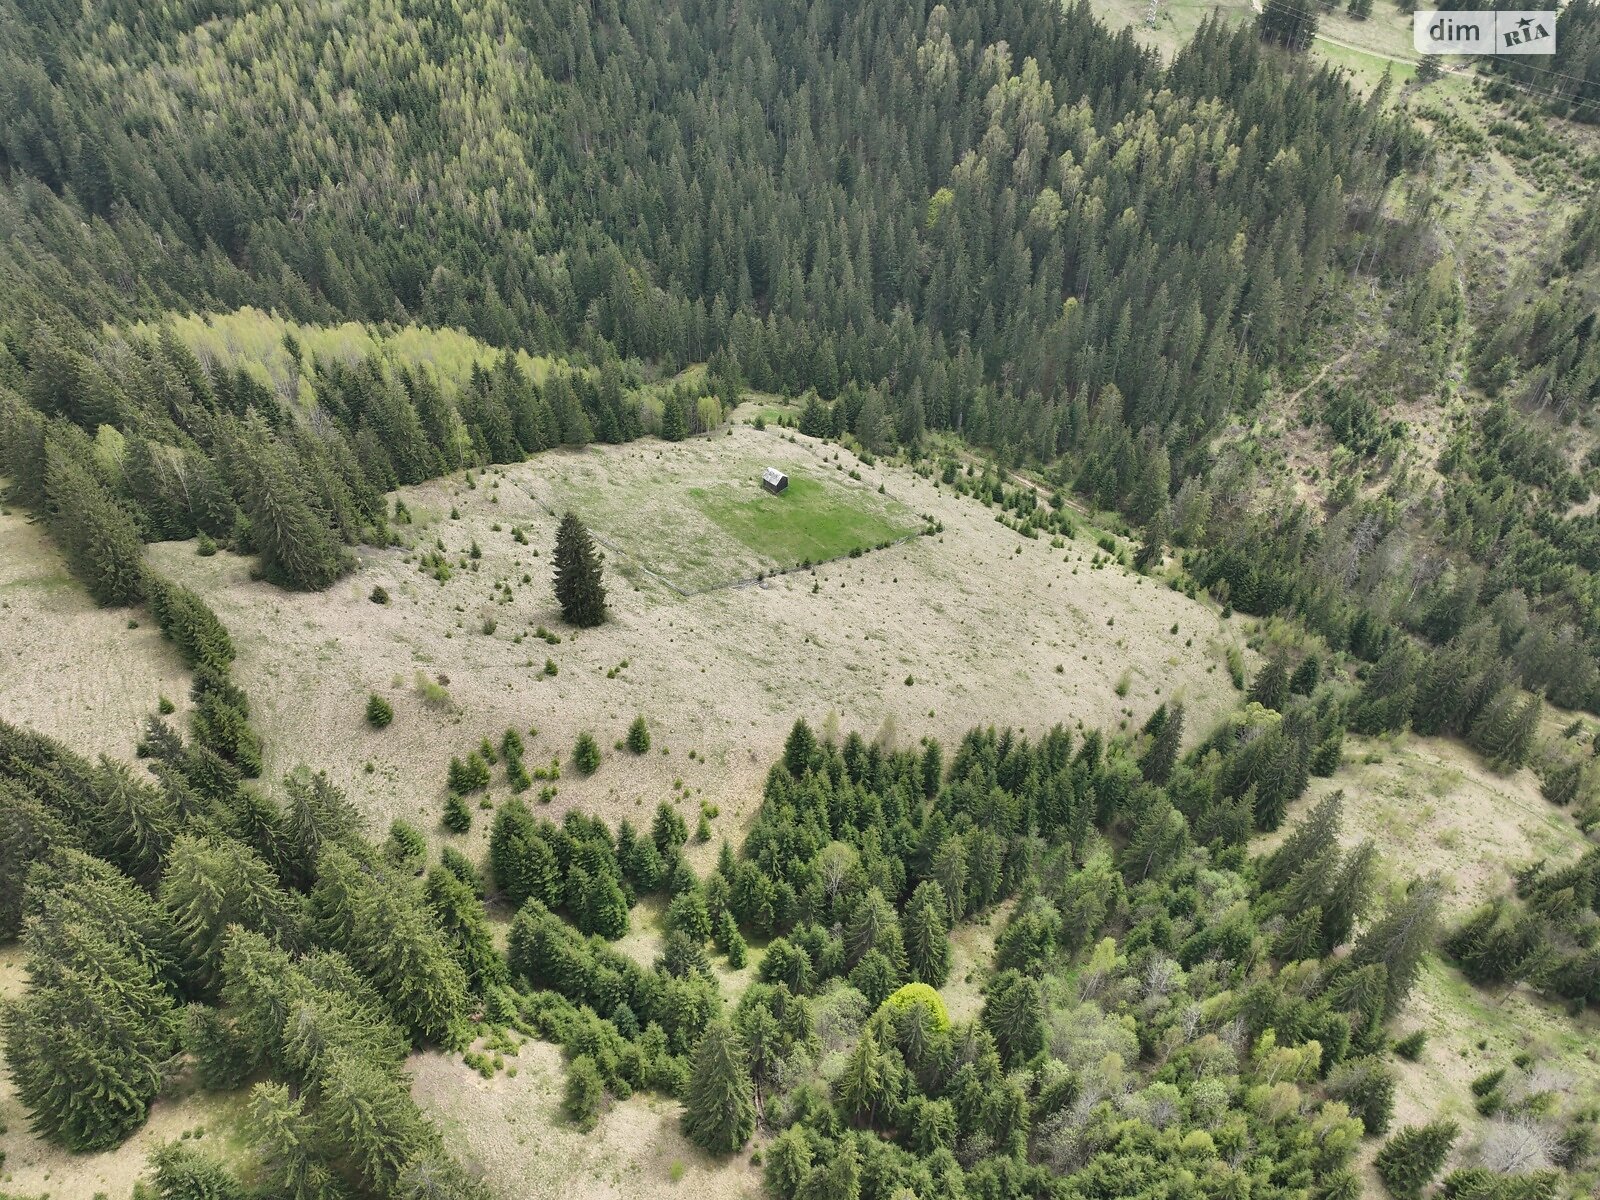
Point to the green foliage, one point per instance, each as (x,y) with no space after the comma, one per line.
(183,1172)
(584,1094)
(638,739)
(457,816)
(586,754)
(1411,1158)
(1410,1047)
(86,1043)
(719,1112)
(406,847)
(578,586)
(379,712)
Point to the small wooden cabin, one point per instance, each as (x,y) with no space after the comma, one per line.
(774,480)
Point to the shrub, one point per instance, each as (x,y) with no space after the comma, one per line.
(1488,1081)
(586,754)
(406,845)
(379,595)
(1411,1158)
(471,775)
(639,736)
(379,711)
(457,816)
(1410,1046)
(585,1092)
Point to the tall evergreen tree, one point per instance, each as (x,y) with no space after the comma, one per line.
(577,575)
(1411,1158)
(719,1112)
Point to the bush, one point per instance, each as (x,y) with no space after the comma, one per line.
(406,846)
(379,595)
(1488,1081)
(1410,1046)
(586,754)
(585,1093)
(1411,1158)
(639,736)
(457,816)
(468,776)
(379,712)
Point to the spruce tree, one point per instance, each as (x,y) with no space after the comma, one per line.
(1309,841)
(861,1087)
(521,861)
(183,1172)
(719,1113)
(288,1145)
(1271,687)
(927,934)
(1162,753)
(1410,1159)
(212,884)
(639,736)
(371,1117)
(379,711)
(1013,1013)
(585,1093)
(457,816)
(799,749)
(1306,676)
(461,918)
(1398,940)
(1367,1085)
(85,1044)
(578,585)
(586,754)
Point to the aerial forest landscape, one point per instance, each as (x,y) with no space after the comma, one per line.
(742,600)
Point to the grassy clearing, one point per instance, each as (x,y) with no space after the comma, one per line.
(695,515)
(1431,805)
(810,521)
(719,676)
(511,1127)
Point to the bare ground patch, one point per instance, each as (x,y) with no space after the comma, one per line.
(69,668)
(511,1129)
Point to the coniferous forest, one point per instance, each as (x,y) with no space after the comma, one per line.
(995,244)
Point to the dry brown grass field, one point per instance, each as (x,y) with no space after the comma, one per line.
(1432,805)
(68,668)
(511,1129)
(975,625)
